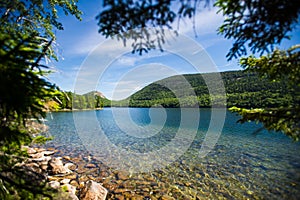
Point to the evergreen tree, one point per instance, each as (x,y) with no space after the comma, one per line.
(26,38)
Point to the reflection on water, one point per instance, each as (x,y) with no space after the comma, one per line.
(240,166)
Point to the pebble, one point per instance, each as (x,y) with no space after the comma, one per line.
(81,185)
(65,181)
(67,157)
(90,165)
(249,192)
(122,176)
(167,197)
(70,166)
(74,183)
(120,190)
(119,197)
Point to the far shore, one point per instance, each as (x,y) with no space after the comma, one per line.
(90,109)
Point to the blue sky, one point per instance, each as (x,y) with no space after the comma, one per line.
(88,61)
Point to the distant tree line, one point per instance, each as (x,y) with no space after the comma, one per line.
(69,101)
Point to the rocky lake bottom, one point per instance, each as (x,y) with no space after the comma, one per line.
(240,166)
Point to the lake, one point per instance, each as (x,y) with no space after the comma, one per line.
(180,153)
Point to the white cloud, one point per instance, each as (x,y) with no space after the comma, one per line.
(87,43)
(127,61)
(134,79)
(206,21)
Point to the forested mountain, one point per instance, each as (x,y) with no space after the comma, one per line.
(243,89)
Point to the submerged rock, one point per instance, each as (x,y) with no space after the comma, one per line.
(93,191)
(90,165)
(70,166)
(122,176)
(167,197)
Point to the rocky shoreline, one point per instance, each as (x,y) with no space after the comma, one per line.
(82,177)
(64,174)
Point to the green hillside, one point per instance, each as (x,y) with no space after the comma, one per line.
(71,101)
(243,89)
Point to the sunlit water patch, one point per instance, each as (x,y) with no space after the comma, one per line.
(240,166)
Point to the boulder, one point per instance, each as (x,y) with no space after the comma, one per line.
(33,167)
(44,166)
(48,153)
(57,166)
(72,196)
(93,191)
(54,184)
(29,150)
(70,190)
(44,159)
(36,155)
(38,149)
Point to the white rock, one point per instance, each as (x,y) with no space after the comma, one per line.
(40,149)
(65,181)
(93,191)
(42,159)
(48,153)
(30,150)
(36,155)
(54,184)
(44,167)
(58,166)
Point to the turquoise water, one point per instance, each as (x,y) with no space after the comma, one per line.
(241,165)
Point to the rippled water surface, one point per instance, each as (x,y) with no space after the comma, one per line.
(158,153)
